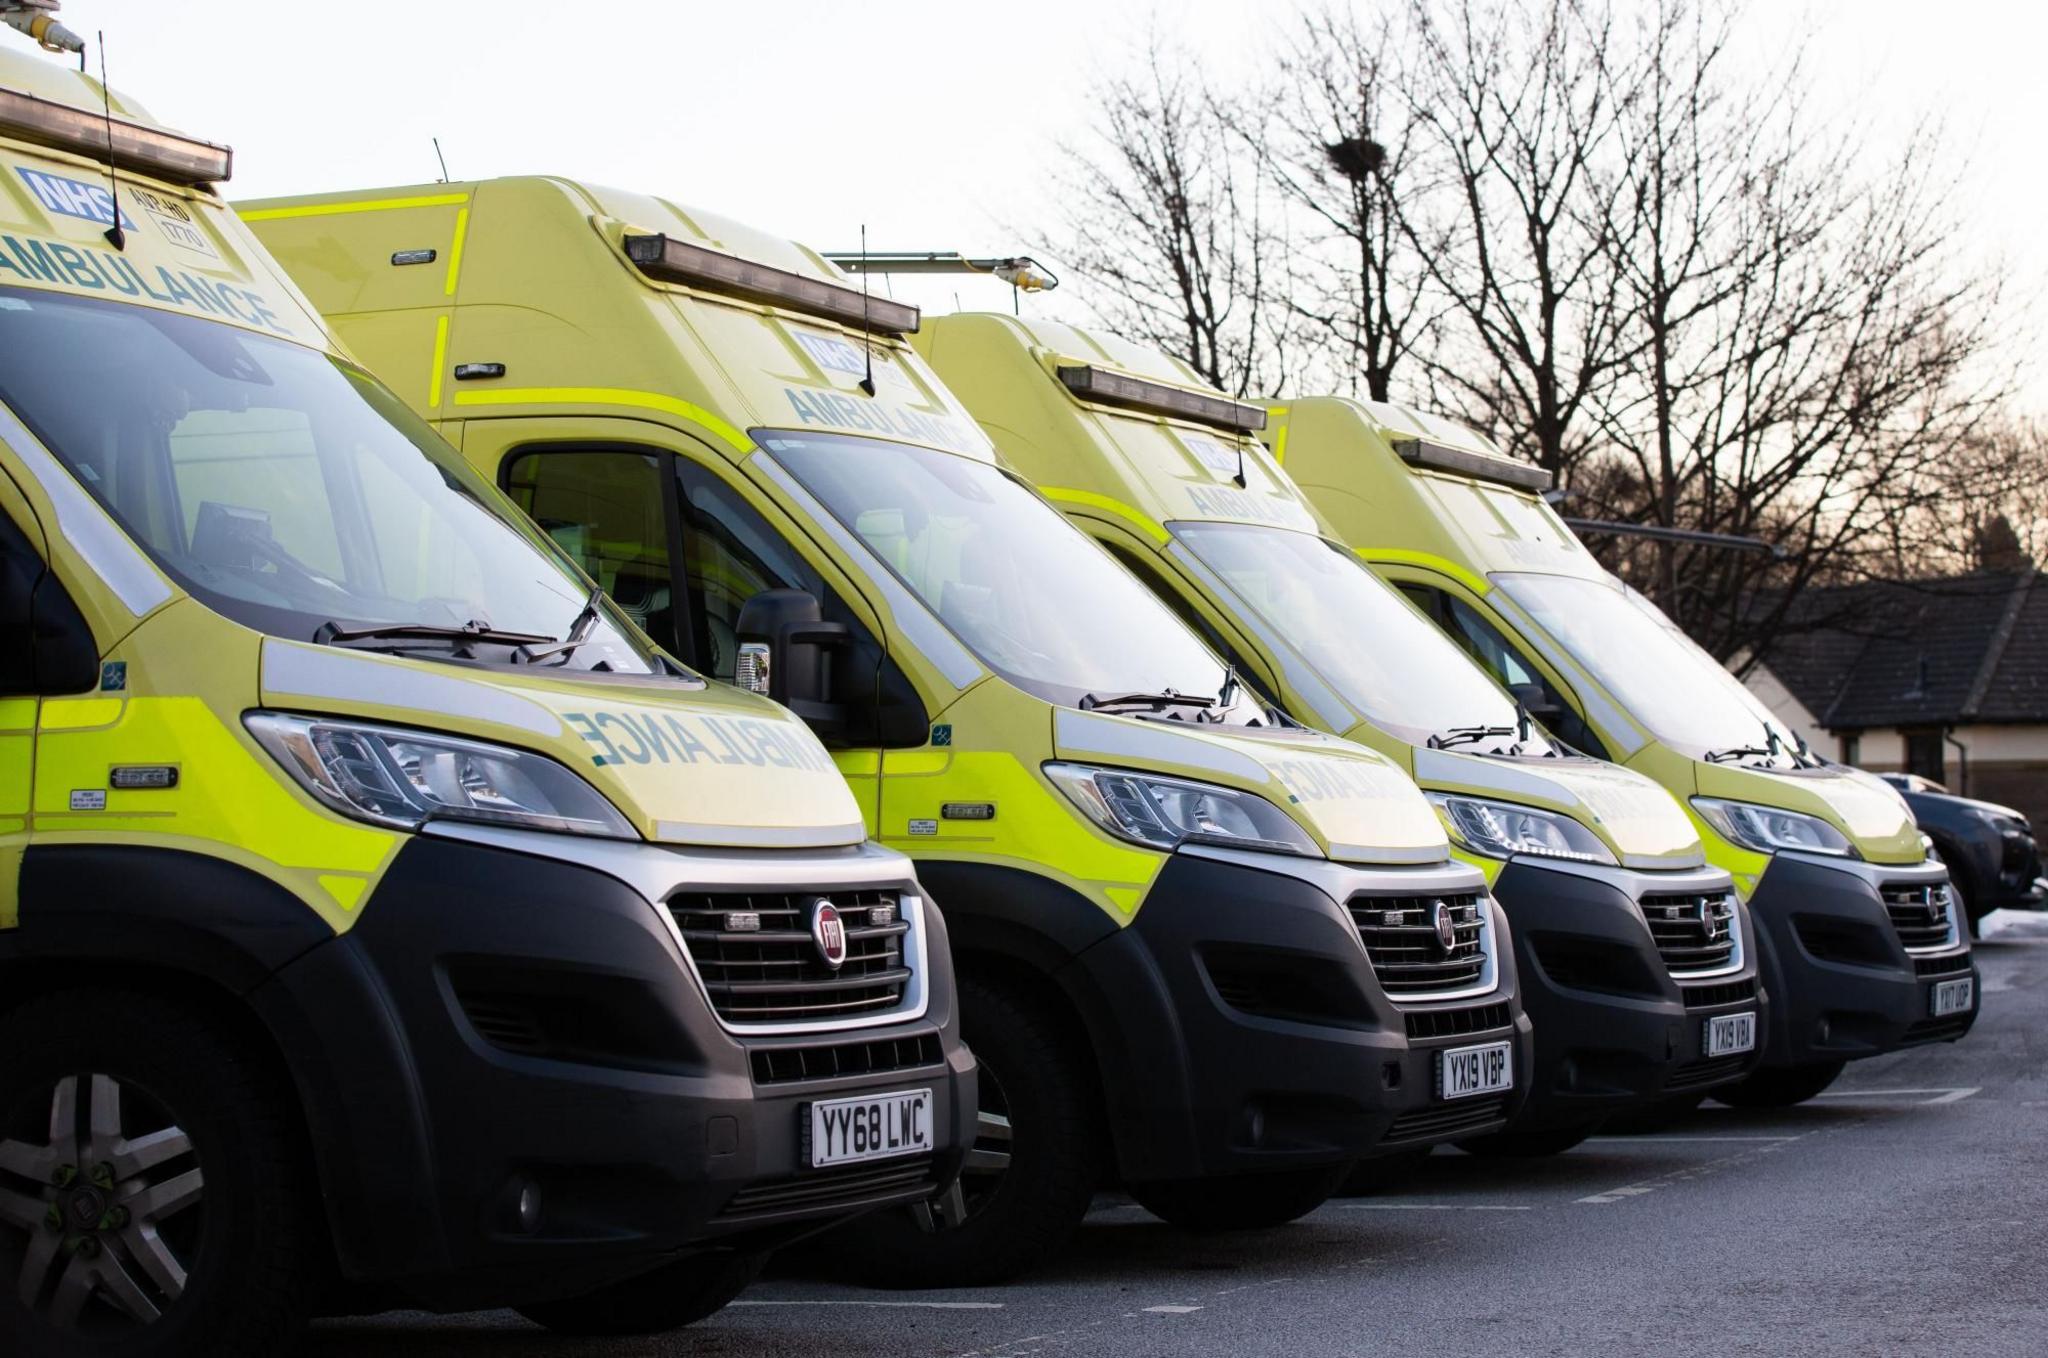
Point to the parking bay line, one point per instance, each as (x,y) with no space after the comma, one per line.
(887,1305)
(1431,1207)
(1941,1095)
(1690,1172)
(1654,1139)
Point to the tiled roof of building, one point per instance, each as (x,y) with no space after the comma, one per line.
(1971,648)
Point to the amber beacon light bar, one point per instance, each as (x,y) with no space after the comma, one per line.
(672,261)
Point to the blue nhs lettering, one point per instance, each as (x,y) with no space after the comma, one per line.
(73,197)
(831,353)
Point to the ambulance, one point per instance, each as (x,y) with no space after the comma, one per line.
(348,960)
(1862,941)
(1156,886)
(1635,957)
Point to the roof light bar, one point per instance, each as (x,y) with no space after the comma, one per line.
(1486,466)
(1137,393)
(674,261)
(180,160)
(1019,271)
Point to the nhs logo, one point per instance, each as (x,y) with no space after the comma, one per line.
(73,197)
(831,353)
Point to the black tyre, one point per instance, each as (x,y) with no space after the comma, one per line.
(1036,1162)
(1531,1145)
(669,1298)
(1243,1202)
(152,1197)
(1384,1173)
(1779,1086)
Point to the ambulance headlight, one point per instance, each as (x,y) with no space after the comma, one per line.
(388,775)
(1504,829)
(1766,829)
(1167,812)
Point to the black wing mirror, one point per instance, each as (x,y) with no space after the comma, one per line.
(786,651)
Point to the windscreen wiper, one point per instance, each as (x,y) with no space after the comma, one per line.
(579,632)
(1102,702)
(1465,735)
(332,633)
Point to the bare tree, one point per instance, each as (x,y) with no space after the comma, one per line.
(1342,153)
(1166,216)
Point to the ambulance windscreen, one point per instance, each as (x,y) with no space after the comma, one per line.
(286,490)
(1025,590)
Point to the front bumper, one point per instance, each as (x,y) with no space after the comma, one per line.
(1844,986)
(1615,1027)
(1241,1028)
(500,1024)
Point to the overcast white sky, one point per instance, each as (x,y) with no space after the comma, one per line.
(934,123)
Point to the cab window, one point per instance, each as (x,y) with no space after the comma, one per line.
(1486,644)
(604,508)
(730,555)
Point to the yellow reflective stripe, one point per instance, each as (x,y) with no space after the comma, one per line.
(1150,527)
(268,214)
(455,250)
(1400,557)
(607,396)
(440,362)
(1280,439)
(17,714)
(69,714)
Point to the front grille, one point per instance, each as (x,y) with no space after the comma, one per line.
(1445,1121)
(1728,992)
(776,973)
(1694,931)
(1408,954)
(1702,1073)
(823,1190)
(1941,966)
(1921,915)
(788,1065)
(1477,1018)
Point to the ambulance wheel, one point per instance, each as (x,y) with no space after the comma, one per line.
(1531,1145)
(1384,1173)
(1780,1086)
(152,1199)
(1031,1173)
(669,1298)
(1240,1202)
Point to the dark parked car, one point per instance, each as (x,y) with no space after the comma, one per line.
(1989,849)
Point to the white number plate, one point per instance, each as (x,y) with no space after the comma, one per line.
(1485,1069)
(872,1127)
(1728,1034)
(1953,997)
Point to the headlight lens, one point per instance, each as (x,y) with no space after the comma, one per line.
(1165,812)
(1504,829)
(391,776)
(1767,829)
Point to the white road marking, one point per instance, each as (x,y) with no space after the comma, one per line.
(1653,1139)
(1756,1151)
(892,1305)
(1171,1310)
(1942,1095)
(1430,1207)
(1958,1095)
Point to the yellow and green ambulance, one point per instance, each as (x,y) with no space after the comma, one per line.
(1635,959)
(357,947)
(1862,942)
(1156,887)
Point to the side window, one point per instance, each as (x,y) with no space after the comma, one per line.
(45,644)
(730,554)
(605,508)
(1500,658)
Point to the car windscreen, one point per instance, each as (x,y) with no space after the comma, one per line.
(1665,681)
(1384,658)
(1025,590)
(280,487)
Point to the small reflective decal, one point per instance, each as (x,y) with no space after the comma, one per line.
(924,827)
(943,734)
(89,799)
(114,676)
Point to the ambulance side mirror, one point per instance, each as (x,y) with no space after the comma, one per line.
(1537,702)
(45,644)
(786,652)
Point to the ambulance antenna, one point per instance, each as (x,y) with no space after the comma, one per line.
(867,384)
(116,237)
(443,159)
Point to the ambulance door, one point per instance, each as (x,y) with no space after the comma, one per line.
(45,647)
